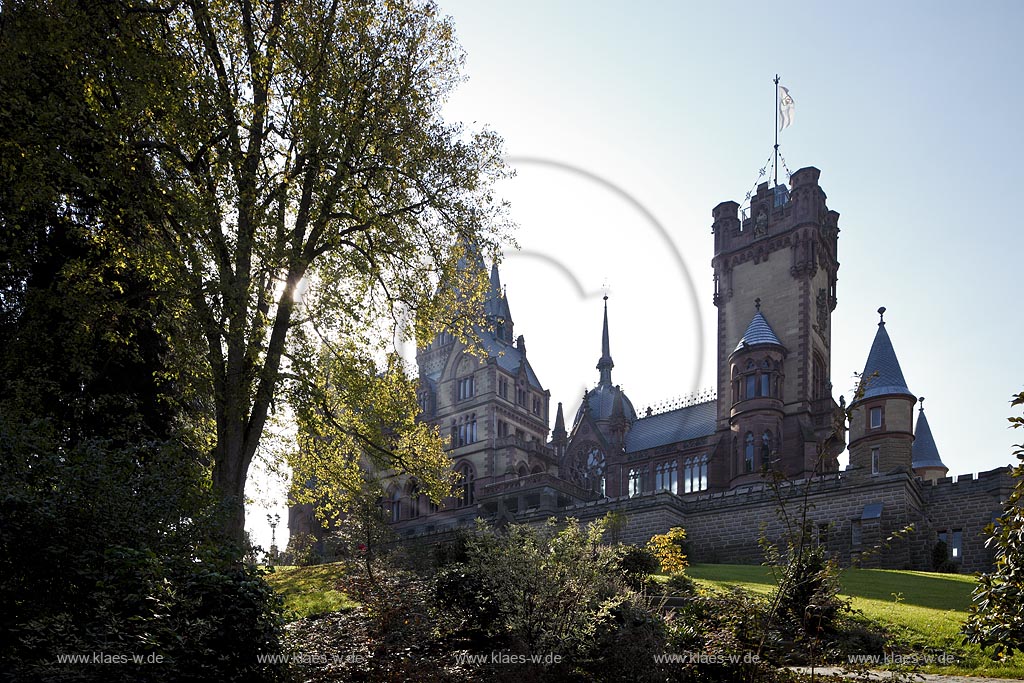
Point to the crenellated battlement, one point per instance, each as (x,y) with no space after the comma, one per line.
(964,483)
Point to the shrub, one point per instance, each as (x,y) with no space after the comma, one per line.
(636,564)
(680,584)
(669,549)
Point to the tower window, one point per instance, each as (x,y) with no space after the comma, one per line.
(466,388)
(766,449)
(876,417)
(874,461)
(956,548)
(467,431)
(503,388)
(748,454)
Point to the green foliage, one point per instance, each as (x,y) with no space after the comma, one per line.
(537,590)
(308,591)
(997,615)
(670,550)
(636,564)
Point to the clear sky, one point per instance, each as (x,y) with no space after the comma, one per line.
(911,110)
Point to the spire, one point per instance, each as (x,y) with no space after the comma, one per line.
(758,331)
(925,454)
(559,431)
(495,280)
(606,364)
(497,309)
(882,373)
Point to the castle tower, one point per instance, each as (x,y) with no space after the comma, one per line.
(758,363)
(493,409)
(882,413)
(785,254)
(926,461)
(594,454)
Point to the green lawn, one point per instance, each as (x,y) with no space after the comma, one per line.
(922,609)
(310,590)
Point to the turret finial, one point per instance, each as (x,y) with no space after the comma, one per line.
(921,400)
(757,304)
(881,315)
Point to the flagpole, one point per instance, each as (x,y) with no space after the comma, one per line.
(776,129)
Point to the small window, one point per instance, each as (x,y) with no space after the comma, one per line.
(748,454)
(855,536)
(466,388)
(874,461)
(751,386)
(876,417)
(957,547)
(635,484)
(503,388)
(764,385)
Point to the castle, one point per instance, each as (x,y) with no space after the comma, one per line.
(720,466)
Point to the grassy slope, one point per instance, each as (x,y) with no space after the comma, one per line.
(924,610)
(310,590)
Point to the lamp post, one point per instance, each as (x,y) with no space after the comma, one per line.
(273,521)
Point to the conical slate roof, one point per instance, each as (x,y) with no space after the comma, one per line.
(758,332)
(925,454)
(882,360)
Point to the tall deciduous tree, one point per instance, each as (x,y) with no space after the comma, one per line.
(309,177)
(997,615)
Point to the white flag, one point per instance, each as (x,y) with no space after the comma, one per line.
(785,108)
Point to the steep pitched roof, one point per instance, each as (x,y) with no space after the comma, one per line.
(925,453)
(882,360)
(509,357)
(758,332)
(682,424)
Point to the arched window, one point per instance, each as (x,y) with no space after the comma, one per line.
(748,453)
(467,486)
(413,493)
(396,505)
(819,379)
(521,470)
(595,474)
(695,474)
(766,448)
(635,483)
